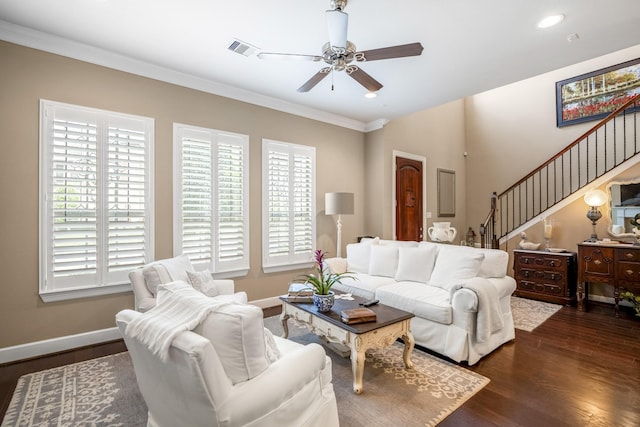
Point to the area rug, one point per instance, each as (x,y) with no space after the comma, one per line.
(392,394)
(98,392)
(528,314)
(104,392)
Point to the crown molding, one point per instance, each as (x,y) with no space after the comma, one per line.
(60,46)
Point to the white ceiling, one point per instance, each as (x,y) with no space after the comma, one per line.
(469,45)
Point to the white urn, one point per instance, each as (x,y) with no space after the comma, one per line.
(442,232)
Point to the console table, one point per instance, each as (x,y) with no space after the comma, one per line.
(617,265)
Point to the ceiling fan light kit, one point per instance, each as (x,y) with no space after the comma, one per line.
(339,52)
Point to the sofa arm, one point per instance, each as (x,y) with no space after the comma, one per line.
(279,383)
(336,265)
(464,300)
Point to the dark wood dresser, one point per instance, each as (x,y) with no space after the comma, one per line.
(617,265)
(545,276)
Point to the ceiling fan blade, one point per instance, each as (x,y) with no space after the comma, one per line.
(371,84)
(400,51)
(289,56)
(317,78)
(337,23)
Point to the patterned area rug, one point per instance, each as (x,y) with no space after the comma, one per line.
(392,394)
(528,314)
(98,392)
(104,392)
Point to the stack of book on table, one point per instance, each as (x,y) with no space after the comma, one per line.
(300,292)
(358,315)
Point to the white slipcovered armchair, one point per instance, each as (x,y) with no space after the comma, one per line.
(145,280)
(230,372)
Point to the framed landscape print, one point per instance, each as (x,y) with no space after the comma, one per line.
(595,95)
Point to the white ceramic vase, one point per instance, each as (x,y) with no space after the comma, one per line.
(442,232)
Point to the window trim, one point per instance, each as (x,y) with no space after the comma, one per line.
(220,269)
(47,292)
(291,262)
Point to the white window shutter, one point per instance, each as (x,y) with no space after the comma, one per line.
(212,181)
(289,227)
(96,220)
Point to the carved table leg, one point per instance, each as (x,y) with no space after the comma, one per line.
(580,295)
(409,343)
(357,364)
(285,326)
(616,298)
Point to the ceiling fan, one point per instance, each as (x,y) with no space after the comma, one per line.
(339,53)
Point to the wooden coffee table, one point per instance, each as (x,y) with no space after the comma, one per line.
(390,325)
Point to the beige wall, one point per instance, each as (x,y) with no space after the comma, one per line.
(512,130)
(437,134)
(28,75)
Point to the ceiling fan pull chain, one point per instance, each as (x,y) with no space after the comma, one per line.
(331,79)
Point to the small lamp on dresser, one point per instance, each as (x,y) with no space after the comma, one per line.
(595,199)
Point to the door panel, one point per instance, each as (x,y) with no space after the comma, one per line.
(408,199)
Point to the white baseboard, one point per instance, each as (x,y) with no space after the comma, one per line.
(54,345)
(267,302)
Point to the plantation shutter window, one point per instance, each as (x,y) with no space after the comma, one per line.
(289,228)
(96,198)
(211,216)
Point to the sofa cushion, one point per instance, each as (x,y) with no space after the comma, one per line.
(383,261)
(415,264)
(455,264)
(236,332)
(358,255)
(425,301)
(495,263)
(363,285)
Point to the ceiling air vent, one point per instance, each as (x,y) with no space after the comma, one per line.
(242,48)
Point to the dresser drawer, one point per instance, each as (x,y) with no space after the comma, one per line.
(629,272)
(627,255)
(542,262)
(542,275)
(543,288)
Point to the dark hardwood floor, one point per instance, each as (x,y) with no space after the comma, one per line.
(577,369)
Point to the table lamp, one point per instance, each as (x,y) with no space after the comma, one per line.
(595,199)
(338,204)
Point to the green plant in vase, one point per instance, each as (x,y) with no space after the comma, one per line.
(635,300)
(322,280)
(635,222)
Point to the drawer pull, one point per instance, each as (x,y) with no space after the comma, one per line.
(629,255)
(629,272)
(597,262)
(552,263)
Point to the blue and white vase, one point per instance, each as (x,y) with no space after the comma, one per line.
(323,303)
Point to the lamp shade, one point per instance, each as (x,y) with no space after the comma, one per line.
(595,198)
(338,203)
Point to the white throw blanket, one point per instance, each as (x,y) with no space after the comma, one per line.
(181,308)
(489,319)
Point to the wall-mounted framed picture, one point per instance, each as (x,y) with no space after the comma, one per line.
(446,193)
(594,95)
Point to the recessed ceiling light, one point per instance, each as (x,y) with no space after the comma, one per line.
(370,95)
(550,21)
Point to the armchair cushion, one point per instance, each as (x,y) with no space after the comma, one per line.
(202,281)
(236,332)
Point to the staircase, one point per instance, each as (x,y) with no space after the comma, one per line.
(607,145)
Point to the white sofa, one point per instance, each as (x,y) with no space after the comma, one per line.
(228,371)
(460,296)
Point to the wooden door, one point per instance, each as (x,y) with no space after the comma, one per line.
(408,199)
